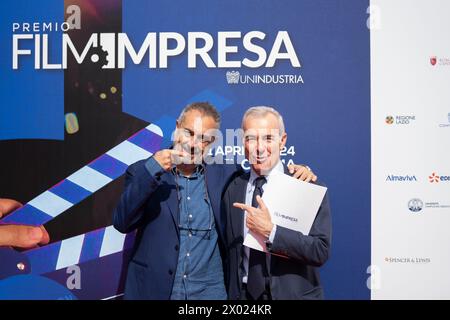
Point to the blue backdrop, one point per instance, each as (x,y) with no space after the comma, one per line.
(327,117)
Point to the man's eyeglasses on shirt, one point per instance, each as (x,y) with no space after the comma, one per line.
(188,227)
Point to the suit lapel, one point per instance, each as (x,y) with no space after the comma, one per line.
(238,195)
(172,201)
(213,178)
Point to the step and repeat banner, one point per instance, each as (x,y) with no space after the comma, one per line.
(89,87)
(410,112)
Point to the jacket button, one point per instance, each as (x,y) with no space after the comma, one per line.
(176,247)
(170,272)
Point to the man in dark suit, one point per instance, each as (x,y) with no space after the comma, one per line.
(173,200)
(290,270)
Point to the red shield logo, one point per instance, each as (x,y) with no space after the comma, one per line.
(433,60)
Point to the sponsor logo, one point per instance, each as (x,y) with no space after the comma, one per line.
(399,119)
(404,178)
(436,61)
(389,119)
(446,125)
(408,260)
(416,205)
(235,77)
(435,178)
(436,205)
(433,60)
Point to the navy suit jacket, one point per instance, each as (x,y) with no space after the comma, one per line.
(150,205)
(295,277)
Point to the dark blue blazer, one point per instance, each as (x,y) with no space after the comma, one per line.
(150,205)
(295,277)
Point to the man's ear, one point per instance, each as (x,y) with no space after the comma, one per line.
(175,134)
(283,140)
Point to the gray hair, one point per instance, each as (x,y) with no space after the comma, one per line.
(205,108)
(262,111)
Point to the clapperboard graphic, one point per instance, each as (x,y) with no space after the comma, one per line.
(102,253)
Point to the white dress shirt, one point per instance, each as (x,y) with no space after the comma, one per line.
(278,168)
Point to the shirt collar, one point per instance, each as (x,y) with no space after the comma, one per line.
(199,169)
(278,168)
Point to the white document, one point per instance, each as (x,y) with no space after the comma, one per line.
(292,204)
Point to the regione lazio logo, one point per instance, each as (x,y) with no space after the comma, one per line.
(233,77)
(399,119)
(389,119)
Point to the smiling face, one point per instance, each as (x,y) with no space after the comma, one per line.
(263,142)
(194,135)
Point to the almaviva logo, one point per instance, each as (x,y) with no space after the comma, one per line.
(396,178)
